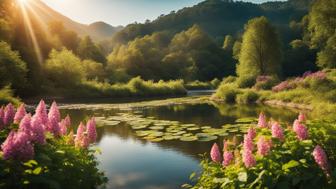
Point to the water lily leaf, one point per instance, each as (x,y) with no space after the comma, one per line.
(188,138)
(246,120)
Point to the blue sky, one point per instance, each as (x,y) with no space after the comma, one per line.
(119,12)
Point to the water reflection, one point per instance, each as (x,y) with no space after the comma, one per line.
(131,162)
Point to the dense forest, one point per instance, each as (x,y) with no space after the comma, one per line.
(202,42)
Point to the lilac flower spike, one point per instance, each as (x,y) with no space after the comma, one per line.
(91,130)
(20,113)
(38,132)
(54,117)
(248,158)
(277,131)
(262,120)
(302,117)
(321,158)
(251,132)
(248,143)
(2,115)
(215,153)
(300,130)
(17,146)
(41,113)
(67,121)
(80,135)
(25,125)
(9,114)
(264,146)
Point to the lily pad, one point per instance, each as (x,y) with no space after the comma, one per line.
(189,138)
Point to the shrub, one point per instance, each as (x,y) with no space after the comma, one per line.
(227,93)
(298,157)
(36,156)
(229,79)
(215,83)
(265,82)
(7,96)
(246,82)
(198,85)
(247,97)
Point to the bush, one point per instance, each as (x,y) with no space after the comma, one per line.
(265,82)
(198,85)
(7,96)
(215,83)
(227,93)
(229,79)
(246,82)
(291,162)
(247,97)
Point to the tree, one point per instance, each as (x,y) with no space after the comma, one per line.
(88,50)
(322,32)
(12,69)
(64,37)
(260,50)
(64,69)
(93,70)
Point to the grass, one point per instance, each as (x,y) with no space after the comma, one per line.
(136,87)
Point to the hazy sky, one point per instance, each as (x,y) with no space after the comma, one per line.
(119,12)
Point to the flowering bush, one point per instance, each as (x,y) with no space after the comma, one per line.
(265,82)
(273,156)
(37,151)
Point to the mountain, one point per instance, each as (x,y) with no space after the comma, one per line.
(98,30)
(219,18)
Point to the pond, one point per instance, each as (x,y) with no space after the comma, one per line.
(156,144)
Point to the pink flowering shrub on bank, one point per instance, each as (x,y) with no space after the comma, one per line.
(39,149)
(274,155)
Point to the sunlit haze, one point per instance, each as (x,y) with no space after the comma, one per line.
(119,12)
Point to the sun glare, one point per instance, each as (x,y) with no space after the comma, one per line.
(23,1)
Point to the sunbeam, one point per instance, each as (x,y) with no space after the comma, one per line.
(23,6)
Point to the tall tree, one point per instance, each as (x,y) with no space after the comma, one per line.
(88,50)
(260,51)
(322,32)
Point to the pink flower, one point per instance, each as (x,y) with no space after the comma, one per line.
(79,135)
(277,131)
(37,130)
(91,130)
(262,120)
(321,158)
(9,114)
(300,130)
(215,153)
(17,146)
(67,121)
(302,117)
(25,125)
(251,132)
(248,158)
(2,115)
(41,113)
(63,127)
(227,158)
(248,143)
(20,113)
(264,146)
(85,142)
(54,113)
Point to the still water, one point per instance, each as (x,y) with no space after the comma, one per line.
(131,162)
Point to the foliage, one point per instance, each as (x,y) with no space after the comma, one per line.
(289,164)
(247,97)
(199,85)
(93,70)
(260,52)
(54,162)
(12,69)
(7,96)
(88,50)
(63,68)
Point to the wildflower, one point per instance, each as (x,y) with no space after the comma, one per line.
(17,146)
(91,130)
(251,132)
(248,158)
(63,127)
(215,153)
(2,114)
(41,113)
(54,113)
(264,146)
(321,158)
(300,130)
(262,120)
(248,143)
(20,113)
(85,142)
(227,158)
(25,125)
(277,131)
(302,117)
(67,121)
(37,130)
(9,114)
(79,135)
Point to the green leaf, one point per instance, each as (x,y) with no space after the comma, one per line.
(219,180)
(30,163)
(37,171)
(60,152)
(290,164)
(242,176)
(192,175)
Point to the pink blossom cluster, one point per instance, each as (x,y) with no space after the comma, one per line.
(277,131)
(217,157)
(262,122)
(263,78)
(320,75)
(321,158)
(88,134)
(284,85)
(20,143)
(300,130)
(264,146)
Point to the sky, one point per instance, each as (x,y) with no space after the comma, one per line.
(119,12)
